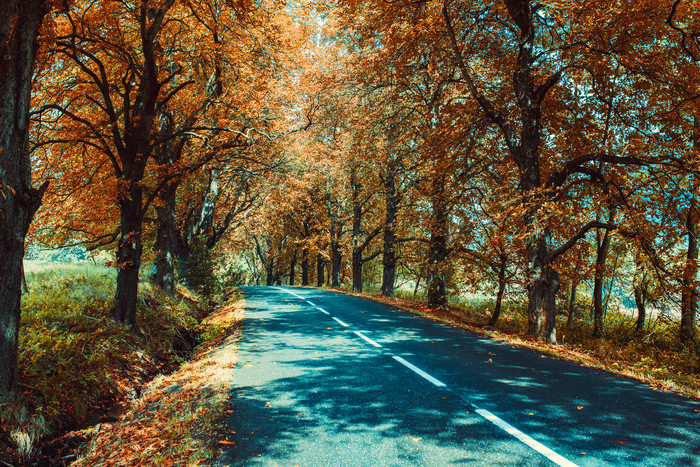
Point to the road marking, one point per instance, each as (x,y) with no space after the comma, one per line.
(290,292)
(500,423)
(341,323)
(425,375)
(525,439)
(367,338)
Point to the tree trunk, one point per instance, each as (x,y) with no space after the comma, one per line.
(501,290)
(572,305)
(542,288)
(437,250)
(640,301)
(598,307)
(336,263)
(320,270)
(270,271)
(689,296)
(129,252)
(19,23)
(389,249)
(166,240)
(357,239)
(292,267)
(305,266)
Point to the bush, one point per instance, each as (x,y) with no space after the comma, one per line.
(198,270)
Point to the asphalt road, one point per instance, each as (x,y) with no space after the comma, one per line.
(327,379)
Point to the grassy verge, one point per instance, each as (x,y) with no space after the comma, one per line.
(654,357)
(175,421)
(76,363)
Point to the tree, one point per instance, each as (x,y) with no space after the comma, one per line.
(19,27)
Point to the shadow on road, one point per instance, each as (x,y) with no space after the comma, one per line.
(312,393)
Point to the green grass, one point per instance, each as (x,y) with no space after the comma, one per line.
(74,357)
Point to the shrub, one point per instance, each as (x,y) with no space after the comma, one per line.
(198,270)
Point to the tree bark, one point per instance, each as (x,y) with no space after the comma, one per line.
(336,263)
(601,258)
(542,288)
(320,270)
(129,252)
(389,247)
(640,301)
(19,25)
(572,305)
(437,250)
(166,241)
(689,295)
(292,267)
(305,266)
(501,290)
(270,271)
(357,240)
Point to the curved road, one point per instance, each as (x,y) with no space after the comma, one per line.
(327,379)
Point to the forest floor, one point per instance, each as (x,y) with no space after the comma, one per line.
(653,357)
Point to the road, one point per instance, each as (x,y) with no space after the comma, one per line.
(326,379)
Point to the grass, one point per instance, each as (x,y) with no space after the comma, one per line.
(74,359)
(654,357)
(175,421)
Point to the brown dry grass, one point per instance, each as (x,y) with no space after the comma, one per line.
(175,421)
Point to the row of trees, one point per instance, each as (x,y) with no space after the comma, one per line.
(456,144)
(500,143)
(152,125)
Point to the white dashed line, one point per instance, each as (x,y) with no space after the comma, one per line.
(341,323)
(525,439)
(367,338)
(502,424)
(290,292)
(414,368)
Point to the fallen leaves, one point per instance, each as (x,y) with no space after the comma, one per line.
(171,424)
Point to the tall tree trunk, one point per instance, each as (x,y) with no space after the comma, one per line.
(166,240)
(129,252)
(437,250)
(640,301)
(270,271)
(305,266)
(572,305)
(166,243)
(689,296)
(357,239)
(389,248)
(598,307)
(336,263)
(356,269)
(542,288)
(320,270)
(501,289)
(292,267)
(523,142)
(19,25)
